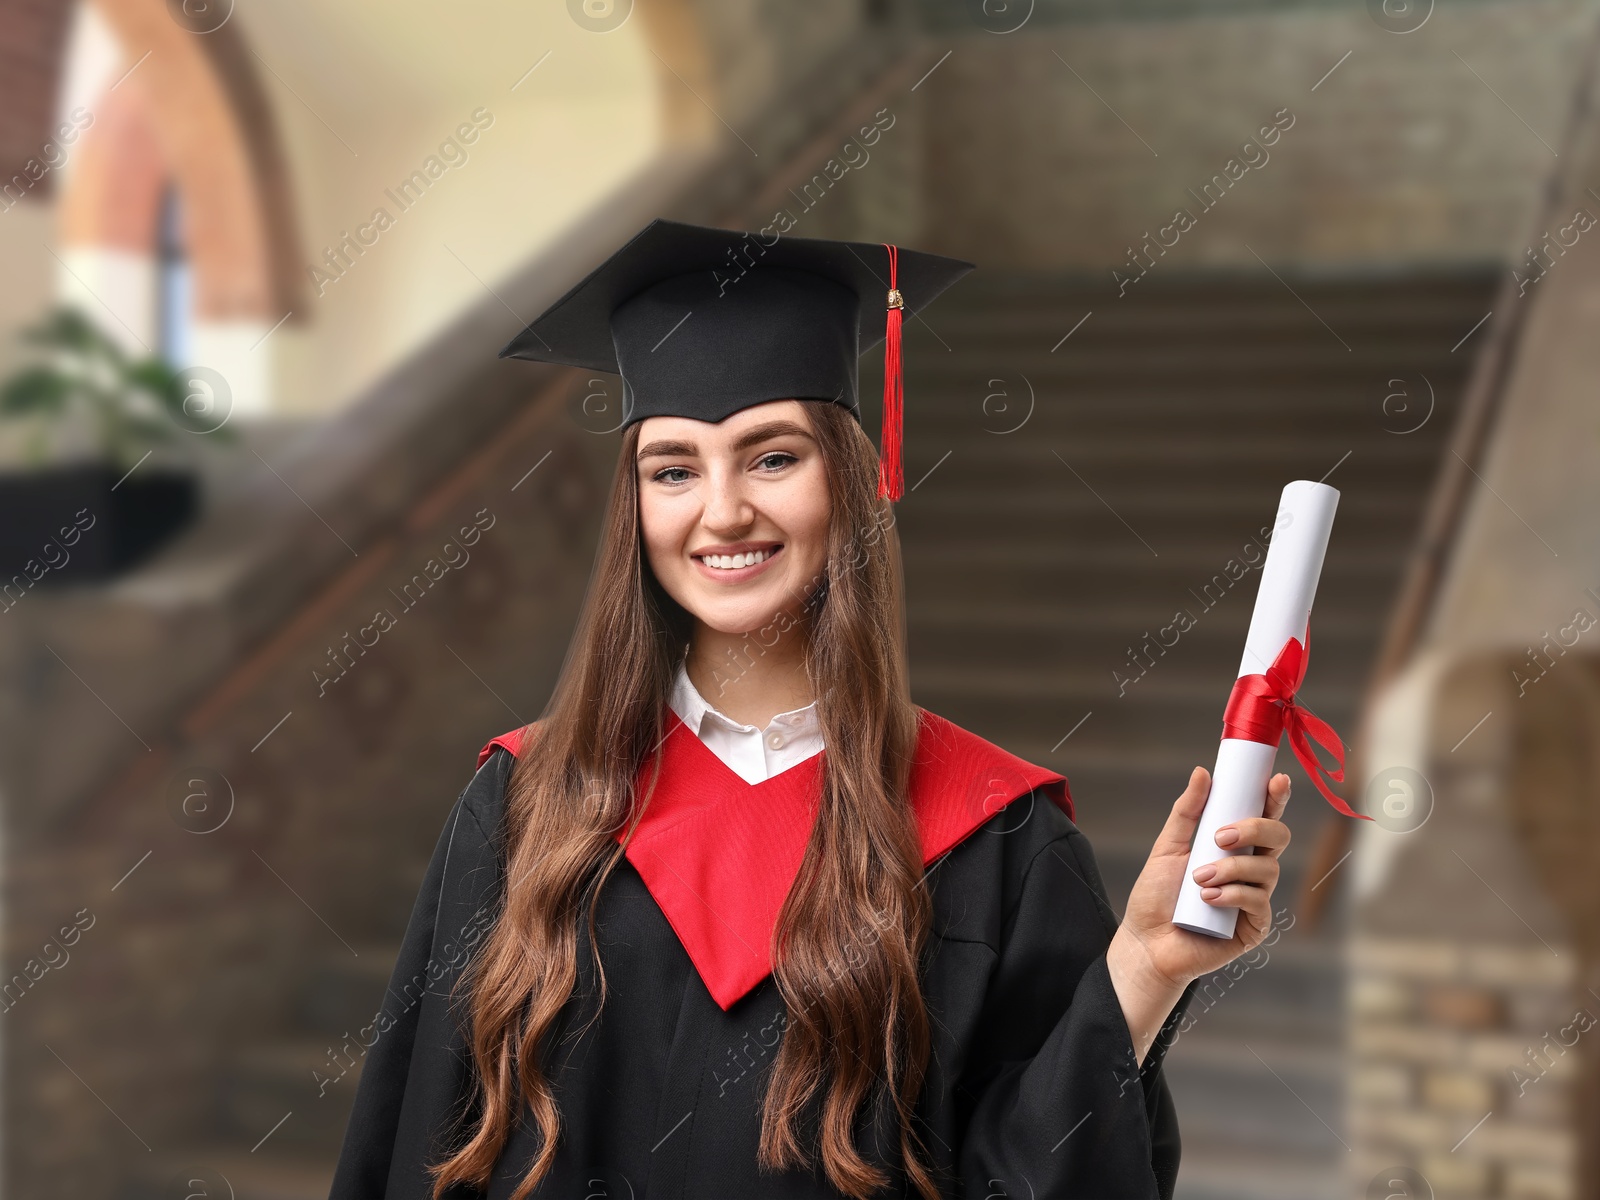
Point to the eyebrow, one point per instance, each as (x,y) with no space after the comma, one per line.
(751,437)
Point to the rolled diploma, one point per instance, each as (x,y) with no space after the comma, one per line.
(1283,607)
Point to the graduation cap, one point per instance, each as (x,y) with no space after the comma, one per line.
(703,322)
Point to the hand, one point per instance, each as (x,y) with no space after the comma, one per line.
(1152,957)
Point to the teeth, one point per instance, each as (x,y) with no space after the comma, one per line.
(732,562)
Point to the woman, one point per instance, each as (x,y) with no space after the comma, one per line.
(735,918)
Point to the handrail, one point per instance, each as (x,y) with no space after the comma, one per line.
(1441,524)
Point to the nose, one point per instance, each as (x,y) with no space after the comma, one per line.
(727,507)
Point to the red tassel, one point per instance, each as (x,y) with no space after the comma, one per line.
(891,479)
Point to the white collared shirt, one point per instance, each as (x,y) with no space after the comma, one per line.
(752,754)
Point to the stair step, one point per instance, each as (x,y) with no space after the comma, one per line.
(1023,536)
(1365,364)
(1230,315)
(1121,849)
(1167,693)
(1291,989)
(1206,453)
(947,392)
(949,619)
(1229,510)
(1236,326)
(1023,515)
(1343,557)
(1192,738)
(1115,791)
(1221,1171)
(1200,293)
(1071,569)
(1202,653)
(1257,1089)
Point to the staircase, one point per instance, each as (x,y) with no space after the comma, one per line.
(1043,551)
(1184,409)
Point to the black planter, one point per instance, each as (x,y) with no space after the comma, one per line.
(78,524)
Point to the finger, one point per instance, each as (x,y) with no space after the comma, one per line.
(1265,835)
(1261,869)
(1178,833)
(1255,918)
(1278,788)
(1244,896)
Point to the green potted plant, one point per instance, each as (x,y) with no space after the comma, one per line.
(83,503)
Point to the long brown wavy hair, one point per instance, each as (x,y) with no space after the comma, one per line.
(850,934)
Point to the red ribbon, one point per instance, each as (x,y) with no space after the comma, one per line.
(1261,706)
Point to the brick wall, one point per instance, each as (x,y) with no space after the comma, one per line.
(32,34)
(1473,985)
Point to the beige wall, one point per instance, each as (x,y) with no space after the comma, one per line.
(379,88)
(1525,565)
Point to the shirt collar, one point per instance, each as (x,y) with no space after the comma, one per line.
(693,710)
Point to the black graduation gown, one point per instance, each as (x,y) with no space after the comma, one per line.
(1032,1089)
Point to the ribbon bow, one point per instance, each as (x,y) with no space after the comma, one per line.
(1261,706)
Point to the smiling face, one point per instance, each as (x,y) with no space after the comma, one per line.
(734,515)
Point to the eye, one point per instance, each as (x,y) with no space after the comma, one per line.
(776,460)
(679,474)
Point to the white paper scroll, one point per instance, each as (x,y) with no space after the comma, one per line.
(1283,607)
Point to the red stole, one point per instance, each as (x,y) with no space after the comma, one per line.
(719,855)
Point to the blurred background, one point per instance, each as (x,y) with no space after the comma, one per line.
(284,543)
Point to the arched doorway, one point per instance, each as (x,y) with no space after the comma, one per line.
(176,224)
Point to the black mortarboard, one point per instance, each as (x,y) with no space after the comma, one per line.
(703,322)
